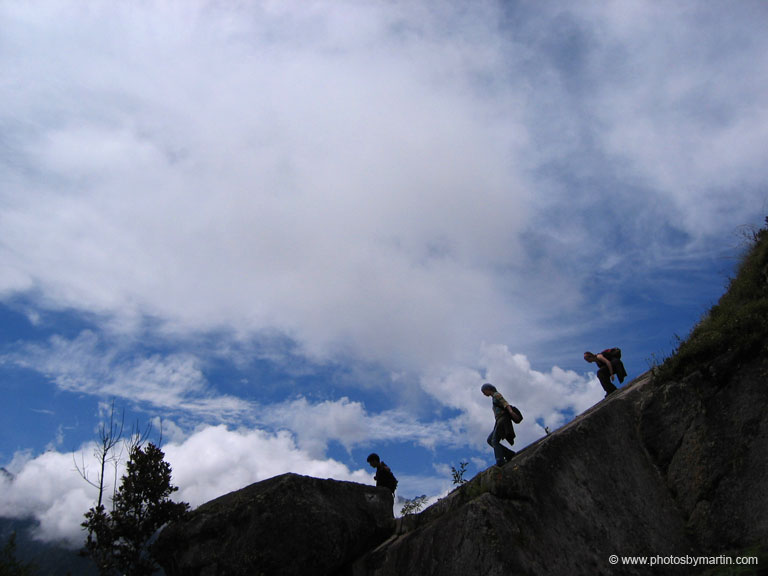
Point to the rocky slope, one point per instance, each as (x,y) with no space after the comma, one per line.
(670,466)
(669,470)
(287,525)
(655,470)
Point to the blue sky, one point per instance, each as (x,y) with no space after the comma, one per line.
(299,232)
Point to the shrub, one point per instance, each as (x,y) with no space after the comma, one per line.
(737,325)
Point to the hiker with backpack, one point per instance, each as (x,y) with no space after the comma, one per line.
(503,429)
(383,476)
(609,365)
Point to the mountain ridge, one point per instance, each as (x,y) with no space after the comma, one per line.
(672,466)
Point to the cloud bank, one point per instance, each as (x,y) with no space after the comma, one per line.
(293,436)
(393,182)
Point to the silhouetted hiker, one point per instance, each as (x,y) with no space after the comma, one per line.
(609,365)
(503,428)
(384,476)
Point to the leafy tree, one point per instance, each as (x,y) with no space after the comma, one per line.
(98,543)
(117,541)
(9,565)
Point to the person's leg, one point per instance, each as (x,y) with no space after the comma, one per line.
(507,431)
(500,452)
(604,375)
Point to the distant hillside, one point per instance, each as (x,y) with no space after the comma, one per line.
(49,559)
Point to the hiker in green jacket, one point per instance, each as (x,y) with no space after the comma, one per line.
(502,428)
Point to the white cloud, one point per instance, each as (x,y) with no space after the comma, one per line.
(358,192)
(176,386)
(351,425)
(214,460)
(48,489)
(545,399)
(355,176)
(86,364)
(683,106)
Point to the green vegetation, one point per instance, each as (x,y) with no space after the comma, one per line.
(414,505)
(458,474)
(117,541)
(737,326)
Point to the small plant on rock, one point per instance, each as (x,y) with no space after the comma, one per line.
(458,474)
(414,505)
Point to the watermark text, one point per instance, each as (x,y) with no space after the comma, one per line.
(694,561)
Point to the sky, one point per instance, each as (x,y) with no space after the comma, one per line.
(288,234)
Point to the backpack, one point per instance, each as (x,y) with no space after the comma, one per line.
(384,477)
(612,353)
(517,416)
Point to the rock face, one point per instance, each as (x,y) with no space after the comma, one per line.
(708,437)
(673,471)
(287,525)
(655,471)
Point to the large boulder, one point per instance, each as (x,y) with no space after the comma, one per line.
(287,525)
(660,470)
(664,471)
(669,472)
(562,506)
(709,438)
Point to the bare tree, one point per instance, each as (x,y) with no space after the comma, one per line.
(139,437)
(110,435)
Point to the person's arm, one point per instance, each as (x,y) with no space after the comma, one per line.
(607,363)
(499,401)
(503,404)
